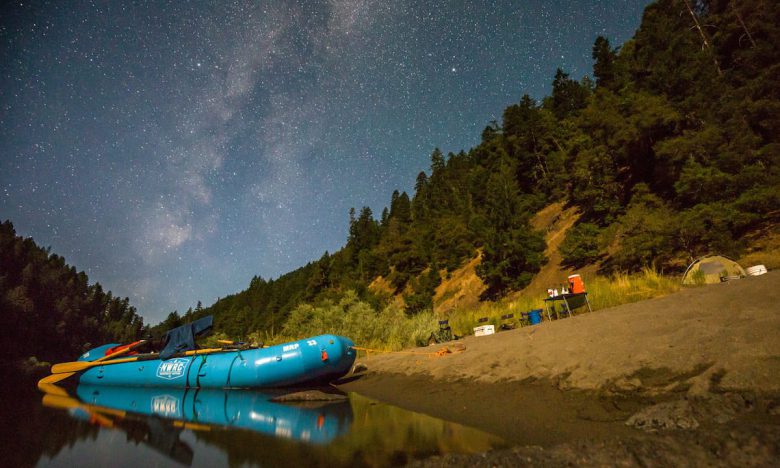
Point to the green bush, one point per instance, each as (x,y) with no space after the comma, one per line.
(390,328)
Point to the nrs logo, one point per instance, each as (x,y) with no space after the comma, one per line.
(172,369)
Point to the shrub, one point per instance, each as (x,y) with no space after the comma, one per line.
(389,329)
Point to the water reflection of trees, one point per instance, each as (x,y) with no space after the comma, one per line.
(29,431)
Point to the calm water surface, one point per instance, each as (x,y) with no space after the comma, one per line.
(111,426)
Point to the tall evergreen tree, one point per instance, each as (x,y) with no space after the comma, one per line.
(604,62)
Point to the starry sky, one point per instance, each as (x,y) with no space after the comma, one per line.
(173,150)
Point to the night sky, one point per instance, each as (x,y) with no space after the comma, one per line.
(175,150)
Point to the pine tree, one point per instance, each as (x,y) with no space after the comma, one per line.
(604,62)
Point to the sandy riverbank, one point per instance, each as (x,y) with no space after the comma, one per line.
(700,369)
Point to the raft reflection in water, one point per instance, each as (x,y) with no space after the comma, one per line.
(156,416)
(248,429)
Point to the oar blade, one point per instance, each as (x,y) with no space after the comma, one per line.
(70,367)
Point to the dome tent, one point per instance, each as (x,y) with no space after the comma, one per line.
(710,269)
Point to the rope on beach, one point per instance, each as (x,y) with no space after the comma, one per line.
(442,352)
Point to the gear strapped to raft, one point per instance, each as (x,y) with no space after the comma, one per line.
(182,338)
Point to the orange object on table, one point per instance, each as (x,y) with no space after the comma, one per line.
(576,286)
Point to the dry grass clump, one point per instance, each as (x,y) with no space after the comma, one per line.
(622,288)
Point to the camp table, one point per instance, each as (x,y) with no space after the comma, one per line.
(569,302)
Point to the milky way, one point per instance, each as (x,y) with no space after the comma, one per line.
(173,151)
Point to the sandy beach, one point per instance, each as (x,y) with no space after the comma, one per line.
(692,378)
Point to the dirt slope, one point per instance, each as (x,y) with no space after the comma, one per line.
(463,287)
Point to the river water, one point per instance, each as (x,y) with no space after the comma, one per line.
(113,426)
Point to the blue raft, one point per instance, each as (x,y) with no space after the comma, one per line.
(318,359)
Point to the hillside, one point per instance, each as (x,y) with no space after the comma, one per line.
(670,151)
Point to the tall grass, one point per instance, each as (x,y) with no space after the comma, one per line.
(603,292)
(622,288)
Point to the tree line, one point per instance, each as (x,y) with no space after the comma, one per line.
(50,310)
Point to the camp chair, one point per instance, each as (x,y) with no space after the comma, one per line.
(525,319)
(444,333)
(508,322)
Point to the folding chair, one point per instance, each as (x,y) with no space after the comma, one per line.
(508,322)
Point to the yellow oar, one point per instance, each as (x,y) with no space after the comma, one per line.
(98,360)
(58,376)
(54,378)
(78,366)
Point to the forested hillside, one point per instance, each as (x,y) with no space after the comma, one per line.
(671,150)
(50,310)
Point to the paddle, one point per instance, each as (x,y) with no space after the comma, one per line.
(78,366)
(58,376)
(120,352)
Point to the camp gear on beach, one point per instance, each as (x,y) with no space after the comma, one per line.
(710,270)
(484,329)
(508,322)
(444,333)
(568,302)
(535,316)
(576,285)
(756,270)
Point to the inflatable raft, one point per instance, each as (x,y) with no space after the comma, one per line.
(312,360)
